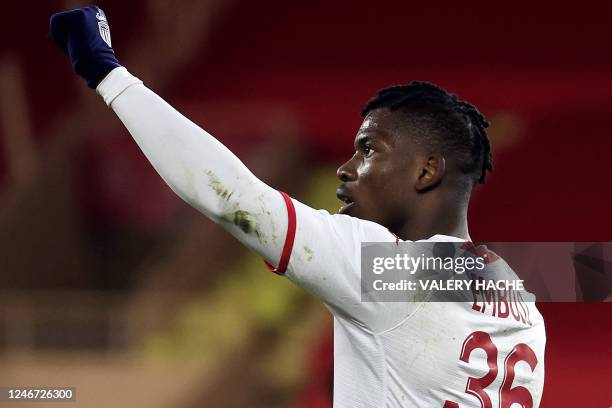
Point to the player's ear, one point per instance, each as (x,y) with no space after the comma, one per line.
(431,171)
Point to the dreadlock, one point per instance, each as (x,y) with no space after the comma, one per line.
(444,122)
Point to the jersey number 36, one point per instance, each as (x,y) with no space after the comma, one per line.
(507,394)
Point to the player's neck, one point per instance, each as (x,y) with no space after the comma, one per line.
(443,222)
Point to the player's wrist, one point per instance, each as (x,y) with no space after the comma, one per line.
(115,83)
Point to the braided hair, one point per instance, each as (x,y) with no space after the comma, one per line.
(443,122)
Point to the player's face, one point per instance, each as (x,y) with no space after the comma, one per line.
(378,181)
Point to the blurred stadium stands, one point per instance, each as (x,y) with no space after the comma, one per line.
(111,284)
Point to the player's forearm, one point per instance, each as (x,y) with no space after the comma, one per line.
(198,167)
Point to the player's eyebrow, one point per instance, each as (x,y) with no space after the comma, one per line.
(361,139)
(371,136)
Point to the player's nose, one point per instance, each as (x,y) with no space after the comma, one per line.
(346,172)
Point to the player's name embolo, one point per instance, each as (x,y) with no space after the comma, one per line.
(449,284)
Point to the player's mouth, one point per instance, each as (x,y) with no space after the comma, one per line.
(347,199)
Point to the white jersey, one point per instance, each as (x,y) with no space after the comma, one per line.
(413,354)
(386,354)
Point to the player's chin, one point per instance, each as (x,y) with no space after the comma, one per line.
(348,209)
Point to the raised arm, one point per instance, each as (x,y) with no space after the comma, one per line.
(197,167)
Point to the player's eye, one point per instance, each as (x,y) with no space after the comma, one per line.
(367,150)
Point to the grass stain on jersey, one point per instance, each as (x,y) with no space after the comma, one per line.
(242,219)
(217,186)
(309,253)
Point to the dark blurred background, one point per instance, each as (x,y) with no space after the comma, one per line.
(111,284)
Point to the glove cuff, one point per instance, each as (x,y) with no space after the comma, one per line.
(94,68)
(115,83)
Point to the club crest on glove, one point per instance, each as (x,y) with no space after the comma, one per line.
(103,27)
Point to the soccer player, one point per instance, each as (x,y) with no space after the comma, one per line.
(418,154)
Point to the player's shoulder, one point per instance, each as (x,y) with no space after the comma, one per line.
(342,225)
(366,231)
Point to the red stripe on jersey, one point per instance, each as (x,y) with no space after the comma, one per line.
(288,247)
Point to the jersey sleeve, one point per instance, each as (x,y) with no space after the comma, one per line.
(198,167)
(323,256)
